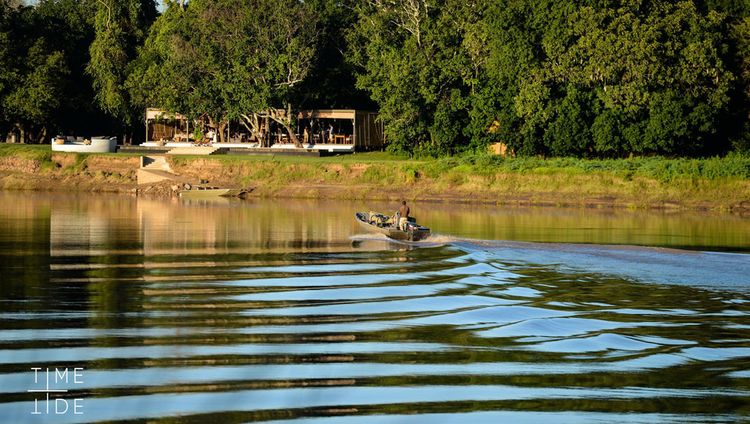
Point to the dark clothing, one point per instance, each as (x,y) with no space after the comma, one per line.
(404,211)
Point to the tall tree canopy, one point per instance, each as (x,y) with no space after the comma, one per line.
(637,78)
(584,78)
(598,78)
(120,27)
(413,66)
(740,36)
(43,52)
(228,59)
(331,83)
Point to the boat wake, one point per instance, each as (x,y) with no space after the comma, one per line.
(637,263)
(371,237)
(435,240)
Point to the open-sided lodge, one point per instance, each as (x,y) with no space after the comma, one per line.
(166,126)
(360,129)
(332,130)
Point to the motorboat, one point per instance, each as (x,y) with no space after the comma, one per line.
(203,192)
(387,225)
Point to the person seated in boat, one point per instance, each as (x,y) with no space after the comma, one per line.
(403,216)
(377,219)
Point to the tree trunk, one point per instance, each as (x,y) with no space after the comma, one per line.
(42,136)
(286,122)
(222,128)
(292,131)
(266,132)
(294,139)
(127,140)
(212,126)
(292,136)
(252,123)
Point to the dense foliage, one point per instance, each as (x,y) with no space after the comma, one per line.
(584,78)
(228,59)
(120,27)
(581,78)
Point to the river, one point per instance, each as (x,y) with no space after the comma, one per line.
(277,310)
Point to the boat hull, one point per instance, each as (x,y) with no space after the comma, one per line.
(208,193)
(414,234)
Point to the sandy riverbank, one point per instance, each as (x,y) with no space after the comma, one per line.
(351,178)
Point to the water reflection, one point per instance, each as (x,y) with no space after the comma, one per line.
(265,310)
(93,222)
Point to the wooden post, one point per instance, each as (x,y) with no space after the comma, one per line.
(267,133)
(354,130)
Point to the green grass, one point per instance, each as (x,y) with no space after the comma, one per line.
(658,168)
(719,181)
(41,153)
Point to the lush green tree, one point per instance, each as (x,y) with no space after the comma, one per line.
(413,66)
(6,75)
(588,77)
(551,77)
(37,96)
(505,46)
(67,26)
(331,82)
(569,130)
(33,75)
(120,26)
(635,58)
(736,9)
(740,36)
(43,55)
(228,60)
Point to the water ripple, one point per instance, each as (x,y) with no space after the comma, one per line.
(179,331)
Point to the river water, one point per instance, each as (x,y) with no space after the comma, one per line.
(276,310)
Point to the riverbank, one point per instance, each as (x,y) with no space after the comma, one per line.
(706,184)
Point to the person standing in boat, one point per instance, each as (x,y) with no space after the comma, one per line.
(403,216)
